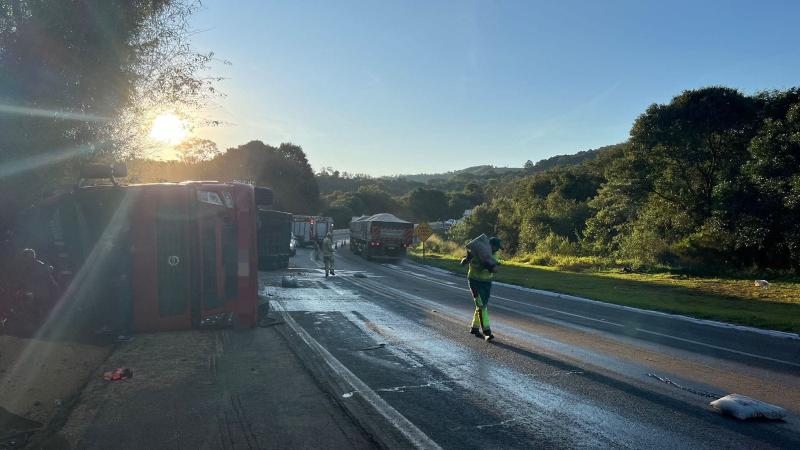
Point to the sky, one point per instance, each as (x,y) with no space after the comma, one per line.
(388,87)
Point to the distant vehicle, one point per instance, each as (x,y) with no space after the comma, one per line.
(303,230)
(173,255)
(292,245)
(310,229)
(274,239)
(322,226)
(381,236)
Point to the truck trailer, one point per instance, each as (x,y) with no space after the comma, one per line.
(310,229)
(381,236)
(274,236)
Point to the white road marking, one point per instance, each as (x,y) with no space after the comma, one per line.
(719,348)
(399,421)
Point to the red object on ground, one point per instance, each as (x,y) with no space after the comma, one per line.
(120,373)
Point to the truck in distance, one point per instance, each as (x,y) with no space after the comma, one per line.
(310,229)
(381,236)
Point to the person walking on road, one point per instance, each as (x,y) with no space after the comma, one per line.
(327,254)
(479,276)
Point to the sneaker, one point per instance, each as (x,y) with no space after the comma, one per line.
(476,332)
(332,273)
(489,337)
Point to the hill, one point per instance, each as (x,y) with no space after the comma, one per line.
(474,170)
(571,160)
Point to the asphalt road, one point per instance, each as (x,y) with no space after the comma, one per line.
(562,372)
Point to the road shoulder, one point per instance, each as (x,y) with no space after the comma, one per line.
(223,389)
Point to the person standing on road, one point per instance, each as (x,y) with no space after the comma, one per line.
(479,276)
(327,254)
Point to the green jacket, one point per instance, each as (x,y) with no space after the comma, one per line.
(327,247)
(477,270)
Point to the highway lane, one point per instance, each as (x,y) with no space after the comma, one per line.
(552,378)
(762,348)
(758,348)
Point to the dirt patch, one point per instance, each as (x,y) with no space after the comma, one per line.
(37,377)
(158,361)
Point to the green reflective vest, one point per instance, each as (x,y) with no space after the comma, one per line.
(477,271)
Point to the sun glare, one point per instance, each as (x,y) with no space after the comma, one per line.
(169,129)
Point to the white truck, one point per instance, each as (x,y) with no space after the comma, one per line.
(308,229)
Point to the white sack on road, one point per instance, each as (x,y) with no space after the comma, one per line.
(743,408)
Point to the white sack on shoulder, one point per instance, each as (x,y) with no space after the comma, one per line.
(743,408)
(481,248)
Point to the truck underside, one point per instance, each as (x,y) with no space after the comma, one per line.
(389,251)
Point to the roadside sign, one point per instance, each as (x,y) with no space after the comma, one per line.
(423,231)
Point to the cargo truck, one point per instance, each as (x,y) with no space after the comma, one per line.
(381,236)
(308,229)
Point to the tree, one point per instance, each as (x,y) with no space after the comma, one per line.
(376,200)
(474,192)
(341,215)
(77,78)
(529,166)
(685,150)
(195,150)
(457,203)
(285,169)
(769,227)
(428,204)
(482,221)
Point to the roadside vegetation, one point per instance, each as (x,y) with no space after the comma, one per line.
(708,183)
(733,299)
(700,202)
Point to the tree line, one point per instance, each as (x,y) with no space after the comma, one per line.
(284,169)
(708,181)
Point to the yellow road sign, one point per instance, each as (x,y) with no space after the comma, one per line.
(423,231)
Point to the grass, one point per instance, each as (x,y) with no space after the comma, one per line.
(733,300)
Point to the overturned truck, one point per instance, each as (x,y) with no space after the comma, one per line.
(149,257)
(381,236)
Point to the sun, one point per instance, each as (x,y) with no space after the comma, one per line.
(169,129)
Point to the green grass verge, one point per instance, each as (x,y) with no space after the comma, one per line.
(726,300)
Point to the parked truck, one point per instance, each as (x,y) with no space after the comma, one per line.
(274,238)
(310,229)
(381,236)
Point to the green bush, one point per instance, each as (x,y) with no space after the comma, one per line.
(554,244)
(441,246)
